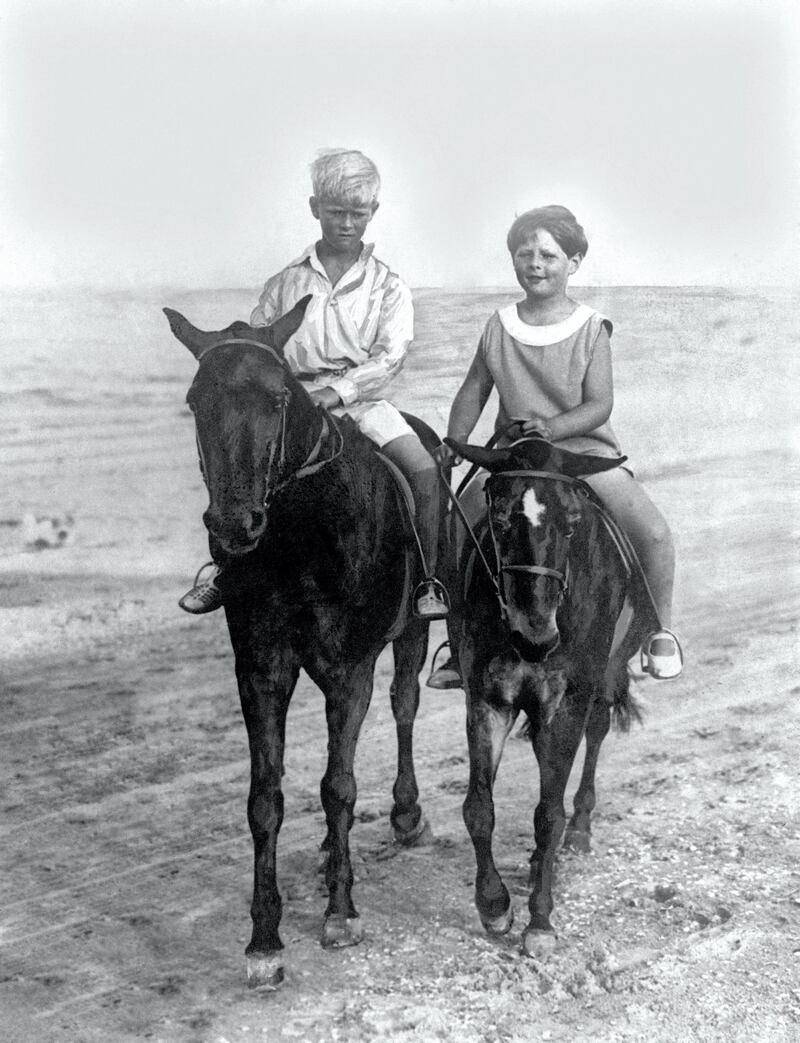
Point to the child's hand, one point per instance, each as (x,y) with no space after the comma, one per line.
(536,426)
(445,457)
(325,397)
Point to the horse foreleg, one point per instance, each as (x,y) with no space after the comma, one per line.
(265,693)
(488,726)
(578,833)
(555,746)
(346,702)
(409,825)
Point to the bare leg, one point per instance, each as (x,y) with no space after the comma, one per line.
(420,469)
(629,504)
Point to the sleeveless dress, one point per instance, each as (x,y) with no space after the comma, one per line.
(539,370)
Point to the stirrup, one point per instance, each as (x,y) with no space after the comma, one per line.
(431,600)
(445,676)
(662,656)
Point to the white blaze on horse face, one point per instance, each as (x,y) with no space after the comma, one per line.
(532,509)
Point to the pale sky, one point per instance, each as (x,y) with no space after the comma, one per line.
(169,142)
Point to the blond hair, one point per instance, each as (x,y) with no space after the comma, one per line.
(345,175)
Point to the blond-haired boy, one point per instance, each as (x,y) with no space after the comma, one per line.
(353,341)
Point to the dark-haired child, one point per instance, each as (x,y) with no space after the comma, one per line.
(550,360)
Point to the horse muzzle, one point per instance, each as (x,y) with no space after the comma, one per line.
(533,644)
(236,530)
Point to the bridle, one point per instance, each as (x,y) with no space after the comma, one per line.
(498,573)
(314,461)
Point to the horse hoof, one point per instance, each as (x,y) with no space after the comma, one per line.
(538,944)
(264,971)
(420,836)
(577,840)
(500,925)
(341,931)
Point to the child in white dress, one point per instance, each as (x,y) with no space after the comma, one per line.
(550,360)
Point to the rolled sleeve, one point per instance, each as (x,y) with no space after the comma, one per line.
(345,388)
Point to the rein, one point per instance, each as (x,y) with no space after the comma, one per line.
(313,462)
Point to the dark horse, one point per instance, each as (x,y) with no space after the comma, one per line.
(537,607)
(312,528)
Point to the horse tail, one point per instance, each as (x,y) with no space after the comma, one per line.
(625,707)
(625,710)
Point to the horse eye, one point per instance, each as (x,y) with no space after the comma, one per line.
(502,511)
(572,522)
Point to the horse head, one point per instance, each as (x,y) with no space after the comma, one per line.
(535,509)
(240,399)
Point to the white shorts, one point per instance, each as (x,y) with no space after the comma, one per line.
(380,421)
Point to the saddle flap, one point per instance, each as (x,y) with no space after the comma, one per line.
(407,497)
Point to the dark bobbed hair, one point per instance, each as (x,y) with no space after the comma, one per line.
(556,220)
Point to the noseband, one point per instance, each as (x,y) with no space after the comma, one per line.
(312,463)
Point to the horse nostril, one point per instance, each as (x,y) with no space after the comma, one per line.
(257,519)
(553,646)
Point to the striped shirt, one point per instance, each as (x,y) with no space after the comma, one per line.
(355,335)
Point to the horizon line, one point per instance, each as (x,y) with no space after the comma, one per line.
(160,287)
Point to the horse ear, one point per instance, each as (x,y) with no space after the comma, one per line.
(491,459)
(287,325)
(197,341)
(577,465)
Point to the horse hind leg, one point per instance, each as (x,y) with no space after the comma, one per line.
(410,827)
(577,836)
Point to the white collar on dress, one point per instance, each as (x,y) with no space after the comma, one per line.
(543,335)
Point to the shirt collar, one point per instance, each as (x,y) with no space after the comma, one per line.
(309,257)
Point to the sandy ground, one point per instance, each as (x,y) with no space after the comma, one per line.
(127,861)
(124,848)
